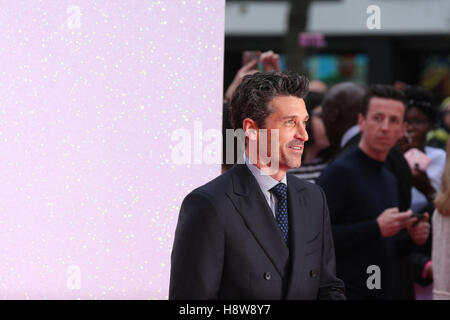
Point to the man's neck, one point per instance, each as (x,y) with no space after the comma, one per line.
(279,175)
(378,156)
(267,169)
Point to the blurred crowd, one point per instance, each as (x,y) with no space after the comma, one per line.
(370,226)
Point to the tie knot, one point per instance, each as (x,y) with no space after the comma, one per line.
(280,191)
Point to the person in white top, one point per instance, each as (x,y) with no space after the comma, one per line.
(420,116)
(441,237)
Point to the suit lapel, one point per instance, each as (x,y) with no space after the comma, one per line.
(252,206)
(298,207)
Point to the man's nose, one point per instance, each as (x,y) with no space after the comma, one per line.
(302,134)
(385,124)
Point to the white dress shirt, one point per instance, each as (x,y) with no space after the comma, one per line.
(266,183)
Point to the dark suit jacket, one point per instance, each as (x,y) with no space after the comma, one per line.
(228,245)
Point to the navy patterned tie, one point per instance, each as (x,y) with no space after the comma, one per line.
(280,191)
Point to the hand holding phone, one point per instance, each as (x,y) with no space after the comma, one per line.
(417,160)
(419,230)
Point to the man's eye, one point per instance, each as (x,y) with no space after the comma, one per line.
(378,118)
(290,123)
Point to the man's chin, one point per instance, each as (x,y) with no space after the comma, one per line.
(292,164)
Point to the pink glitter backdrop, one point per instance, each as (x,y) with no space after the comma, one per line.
(90,94)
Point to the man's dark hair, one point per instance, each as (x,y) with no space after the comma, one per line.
(253,95)
(423,100)
(382,91)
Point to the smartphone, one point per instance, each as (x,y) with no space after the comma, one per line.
(418,215)
(417,159)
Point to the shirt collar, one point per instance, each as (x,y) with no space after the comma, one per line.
(265,181)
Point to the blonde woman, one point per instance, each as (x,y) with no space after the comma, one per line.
(441,237)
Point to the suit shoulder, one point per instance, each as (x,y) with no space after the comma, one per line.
(341,165)
(214,188)
(303,184)
(338,172)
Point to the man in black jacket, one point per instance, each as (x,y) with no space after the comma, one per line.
(256,232)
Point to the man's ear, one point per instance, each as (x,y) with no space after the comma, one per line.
(250,128)
(361,120)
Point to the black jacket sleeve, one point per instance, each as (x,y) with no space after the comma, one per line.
(198,250)
(330,288)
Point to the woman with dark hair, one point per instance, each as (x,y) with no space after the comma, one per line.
(421,116)
(441,237)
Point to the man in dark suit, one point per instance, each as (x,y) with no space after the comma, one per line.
(255,232)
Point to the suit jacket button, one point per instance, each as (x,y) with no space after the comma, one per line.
(267,276)
(313,274)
